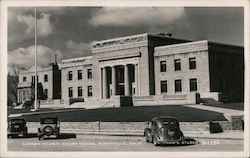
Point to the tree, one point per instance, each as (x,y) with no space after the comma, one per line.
(12,84)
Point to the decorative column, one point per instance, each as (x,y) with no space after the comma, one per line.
(126,80)
(104,83)
(113,81)
(136,79)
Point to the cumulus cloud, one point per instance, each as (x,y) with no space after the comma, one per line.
(130,16)
(25,57)
(44,24)
(79,48)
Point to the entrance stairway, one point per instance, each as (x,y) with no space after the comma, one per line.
(92,104)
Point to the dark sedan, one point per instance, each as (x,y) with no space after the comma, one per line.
(163,130)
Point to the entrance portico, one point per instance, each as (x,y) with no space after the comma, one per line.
(119,77)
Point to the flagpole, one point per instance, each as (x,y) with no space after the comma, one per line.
(35,105)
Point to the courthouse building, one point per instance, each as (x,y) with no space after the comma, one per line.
(154,67)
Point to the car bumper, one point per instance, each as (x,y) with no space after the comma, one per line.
(15,133)
(171,141)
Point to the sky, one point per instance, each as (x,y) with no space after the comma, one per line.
(70,31)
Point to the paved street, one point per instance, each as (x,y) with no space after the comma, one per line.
(117,143)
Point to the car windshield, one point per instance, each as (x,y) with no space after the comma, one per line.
(17,121)
(48,121)
(169,122)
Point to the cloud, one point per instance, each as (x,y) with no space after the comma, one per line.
(44,24)
(79,49)
(25,57)
(135,16)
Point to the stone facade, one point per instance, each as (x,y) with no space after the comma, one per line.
(155,67)
(80,80)
(214,73)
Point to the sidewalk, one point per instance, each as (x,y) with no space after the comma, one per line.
(233,135)
(216,109)
(43,112)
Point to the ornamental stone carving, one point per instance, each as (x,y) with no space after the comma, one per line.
(181,48)
(120,43)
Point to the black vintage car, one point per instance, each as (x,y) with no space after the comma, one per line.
(163,130)
(49,126)
(17,127)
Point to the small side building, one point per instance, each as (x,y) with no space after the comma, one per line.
(49,83)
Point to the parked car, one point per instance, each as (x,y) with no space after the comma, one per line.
(17,127)
(49,126)
(163,130)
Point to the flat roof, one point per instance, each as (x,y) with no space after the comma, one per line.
(77,59)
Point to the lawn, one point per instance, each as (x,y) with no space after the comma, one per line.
(133,114)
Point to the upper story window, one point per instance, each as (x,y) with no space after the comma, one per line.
(192,63)
(79,74)
(45,78)
(164,86)
(177,64)
(33,79)
(219,62)
(24,79)
(70,75)
(178,86)
(163,65)
(232,63)
(89,73)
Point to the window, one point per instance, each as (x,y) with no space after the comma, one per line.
(70,92)
(46,93)
(221,84)
(164,87)
(79,91)
(192,63)
(24,79)
(219,62)
(33,79)
(70,75)
(232,64)
(90,91)
(163,66)
(79,74)
(45,78)
(193,84)
(177,64)
(89,73)
(178,87)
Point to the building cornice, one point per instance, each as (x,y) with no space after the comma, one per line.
(120,43)
(181,48)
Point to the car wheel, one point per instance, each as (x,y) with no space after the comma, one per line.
(9,136)
(48,130)
(155,141)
